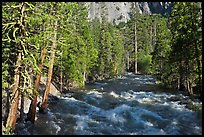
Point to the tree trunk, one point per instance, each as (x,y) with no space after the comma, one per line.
(160,68)
(61,82)
(178,84)
(84,77)
(22,107)
(151,37)
(49,78)
(182,83)
(7,103)
(116,70)
(182,86)
(188,83)
(154,36)
(32,109)
(135,48)
(11,120)
(128,62)
(189,87)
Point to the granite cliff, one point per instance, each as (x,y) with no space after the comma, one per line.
(119,11)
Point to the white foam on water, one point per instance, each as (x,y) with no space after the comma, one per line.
(150,83)
(150,78)
(154,131)
(114,94)
(102,84)
(123,77)
(177,106)
(120,108)
(145,79)
(130,73)
(165,104)
(144,100)
(57,127)
(127,96)
(116,118)
(65,97)
(142,97)
(174,122)
(81,122)
(83,125)
(149,123)
(111,79)
(198,130)
(115,114)
(95,93)
(155,115)
(171,96)
(197,104)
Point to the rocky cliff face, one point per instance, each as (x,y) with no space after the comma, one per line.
(118,11)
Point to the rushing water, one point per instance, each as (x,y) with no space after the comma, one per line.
(119,106)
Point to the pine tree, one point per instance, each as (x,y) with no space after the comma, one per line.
(16,21)
(135,16)
(185,24)
(36,40)
(162,48)
(54,15)
(118,53)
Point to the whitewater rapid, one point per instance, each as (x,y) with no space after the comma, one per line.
(113,107)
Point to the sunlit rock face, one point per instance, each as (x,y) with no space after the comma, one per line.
(119,11)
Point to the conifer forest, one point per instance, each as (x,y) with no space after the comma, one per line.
(65,73)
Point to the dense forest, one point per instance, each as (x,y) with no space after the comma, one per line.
(58,40)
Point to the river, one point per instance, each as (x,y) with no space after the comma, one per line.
(122,106)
